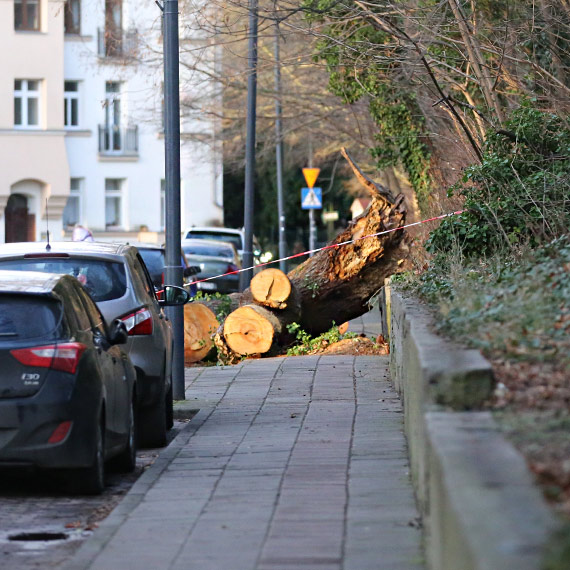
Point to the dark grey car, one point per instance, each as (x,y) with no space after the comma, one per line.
(67,390)
(218,262)
(118,281)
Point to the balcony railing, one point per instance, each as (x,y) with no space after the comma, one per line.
(117,43)
(118,141)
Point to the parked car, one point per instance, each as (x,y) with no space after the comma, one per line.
(117,279)
(237,237)
(68,392)
(154,258)
(214,258)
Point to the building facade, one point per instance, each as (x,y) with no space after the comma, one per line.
(81,124)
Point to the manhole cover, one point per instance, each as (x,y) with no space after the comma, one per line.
(38,536)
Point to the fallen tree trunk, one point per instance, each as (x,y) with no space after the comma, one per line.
(337,283)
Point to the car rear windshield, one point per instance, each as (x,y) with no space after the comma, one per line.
(217,236)
(208,249)
(105,280)
(26,317)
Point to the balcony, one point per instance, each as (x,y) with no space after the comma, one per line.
(115,140)
(117,43)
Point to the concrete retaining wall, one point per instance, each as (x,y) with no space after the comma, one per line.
(481,509)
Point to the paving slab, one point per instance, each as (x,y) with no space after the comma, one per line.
(291,463)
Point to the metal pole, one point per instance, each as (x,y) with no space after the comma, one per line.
(312,230)
(312,227)
(245,276)
(173,267)
(279,155)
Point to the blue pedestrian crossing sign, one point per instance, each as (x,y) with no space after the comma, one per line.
(311,198)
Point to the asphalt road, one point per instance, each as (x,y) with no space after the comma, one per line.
(42,525)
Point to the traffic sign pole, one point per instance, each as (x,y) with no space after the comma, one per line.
(312,231)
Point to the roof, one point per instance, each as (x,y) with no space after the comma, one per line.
(212,242)
(213,229)
(28,282)
(143,245)
(89,249)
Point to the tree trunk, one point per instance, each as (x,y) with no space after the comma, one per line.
(336,284)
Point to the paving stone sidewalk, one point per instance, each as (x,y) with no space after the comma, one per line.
(295,463)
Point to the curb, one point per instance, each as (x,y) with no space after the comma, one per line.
(91,548)
(481,509)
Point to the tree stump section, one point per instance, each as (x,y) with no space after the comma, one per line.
(251,330)
(200,324)
(271,288)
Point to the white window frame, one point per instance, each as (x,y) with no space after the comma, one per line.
(25,95)
(69,98)
(115,194)
(75,193)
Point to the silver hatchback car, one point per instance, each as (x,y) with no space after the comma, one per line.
(118,281)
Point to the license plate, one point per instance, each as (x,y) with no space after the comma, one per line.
(206,285)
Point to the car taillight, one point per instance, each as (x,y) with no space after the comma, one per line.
(232,267)
(60,432)
(139,322)
(64,357)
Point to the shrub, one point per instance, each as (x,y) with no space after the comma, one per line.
(518,194)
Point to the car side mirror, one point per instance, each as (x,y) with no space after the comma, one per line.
(191,270)
(118,333)
(171,296)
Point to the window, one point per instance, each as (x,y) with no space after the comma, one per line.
(71,104)
(113,206)
(27,15)
(26,103)
(113,28)
(72,17)
(72,211)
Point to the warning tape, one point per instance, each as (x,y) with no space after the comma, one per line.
(330,246)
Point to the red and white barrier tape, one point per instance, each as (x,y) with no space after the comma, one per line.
(330,246)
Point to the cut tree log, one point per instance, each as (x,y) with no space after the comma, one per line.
(271,288)
(200,325)
(251,329)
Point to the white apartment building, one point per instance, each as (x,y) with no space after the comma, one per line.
(81,111)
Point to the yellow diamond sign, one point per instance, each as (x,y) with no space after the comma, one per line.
(311,175)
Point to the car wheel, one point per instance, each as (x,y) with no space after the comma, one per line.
(169,404)
(126,461)
(91,480)
(152,424)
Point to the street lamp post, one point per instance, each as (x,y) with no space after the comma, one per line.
(173,267)
(245,276)
(279,155)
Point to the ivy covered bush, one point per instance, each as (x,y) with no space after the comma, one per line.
(519,194)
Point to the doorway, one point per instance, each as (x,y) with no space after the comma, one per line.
(20,224)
